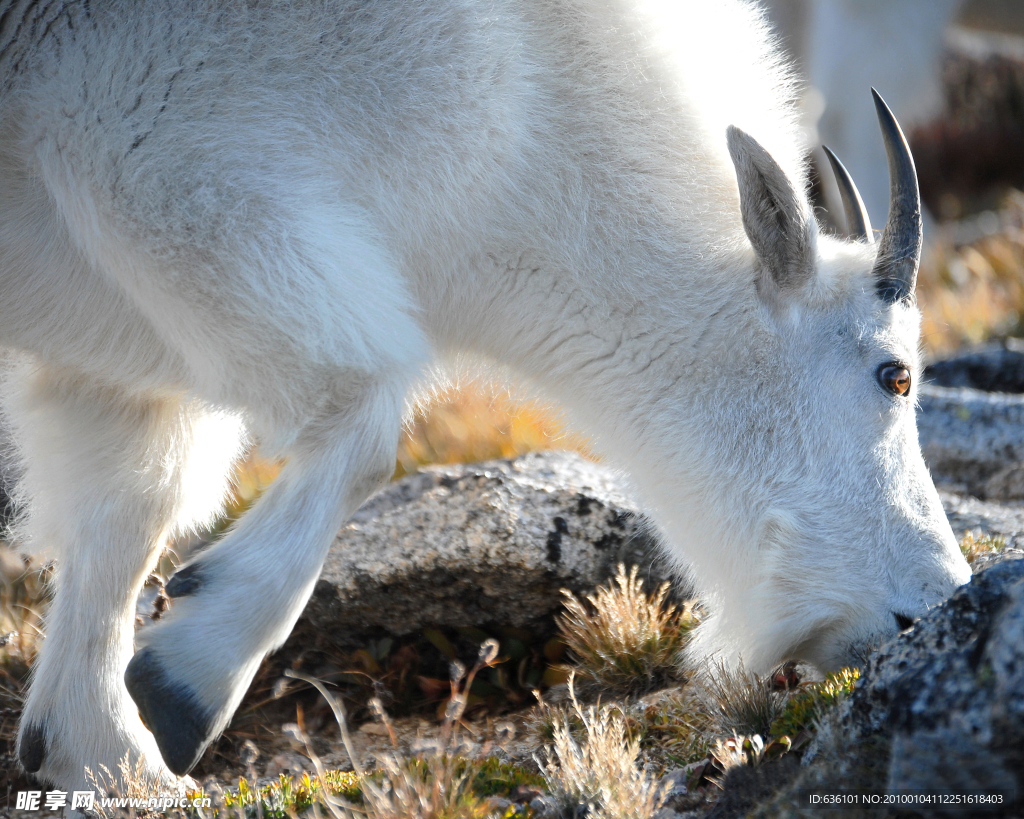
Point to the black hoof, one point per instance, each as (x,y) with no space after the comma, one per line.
(32,747)
(168,709)
(186,581)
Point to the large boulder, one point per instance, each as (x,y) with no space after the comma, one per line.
(973,441)
(481,544)
(971,420)
(997,367)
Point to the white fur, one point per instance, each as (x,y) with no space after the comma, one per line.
(225,216)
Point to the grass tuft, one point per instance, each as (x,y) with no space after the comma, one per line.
(132,782)
(437,787)
(739,702)
(598,773)
(677,728)
(626,642)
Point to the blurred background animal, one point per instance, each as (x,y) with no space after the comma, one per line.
(915,50)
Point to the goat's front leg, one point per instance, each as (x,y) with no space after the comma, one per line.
(104,476)
(240,599)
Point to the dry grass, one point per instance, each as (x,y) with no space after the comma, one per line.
(626,642)
(973,292)
(597,775)
(131,782)
(477,424)
(438,785)
(738,701)
(23,590)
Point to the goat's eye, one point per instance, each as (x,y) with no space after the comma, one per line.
(895,378)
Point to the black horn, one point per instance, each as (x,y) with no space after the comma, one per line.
(899,251)
(858,223)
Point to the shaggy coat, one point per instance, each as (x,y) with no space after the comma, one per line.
(223,220)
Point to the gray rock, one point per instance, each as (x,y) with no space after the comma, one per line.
(971,409)
(675,782)
(544,807)
(941,708)
(973,441)
(967,514)
(997,367)
(472,545)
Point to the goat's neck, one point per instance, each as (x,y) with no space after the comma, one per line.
(637,368)
(30,27)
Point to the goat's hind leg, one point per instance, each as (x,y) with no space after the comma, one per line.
(104,478)
(239,600)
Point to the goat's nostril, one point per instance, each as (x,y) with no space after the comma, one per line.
(903,621)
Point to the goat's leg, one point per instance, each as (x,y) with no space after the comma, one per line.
(105,479)
(240,599)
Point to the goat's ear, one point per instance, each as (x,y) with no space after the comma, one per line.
(776,218)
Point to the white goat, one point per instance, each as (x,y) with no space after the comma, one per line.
(221,217)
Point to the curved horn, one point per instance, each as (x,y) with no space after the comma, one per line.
(899,251)
(858,223)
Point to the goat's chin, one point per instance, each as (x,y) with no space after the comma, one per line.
(716,644)
(844,651)
(822,638)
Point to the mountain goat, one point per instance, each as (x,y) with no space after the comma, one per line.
(222,219)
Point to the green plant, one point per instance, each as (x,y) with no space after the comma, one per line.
(496,777)
(289,795)
(973,545)
(626,642)
(678,728)
(806,707)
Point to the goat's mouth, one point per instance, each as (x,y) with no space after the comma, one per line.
(903,621)
(857,652)
(835,645)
